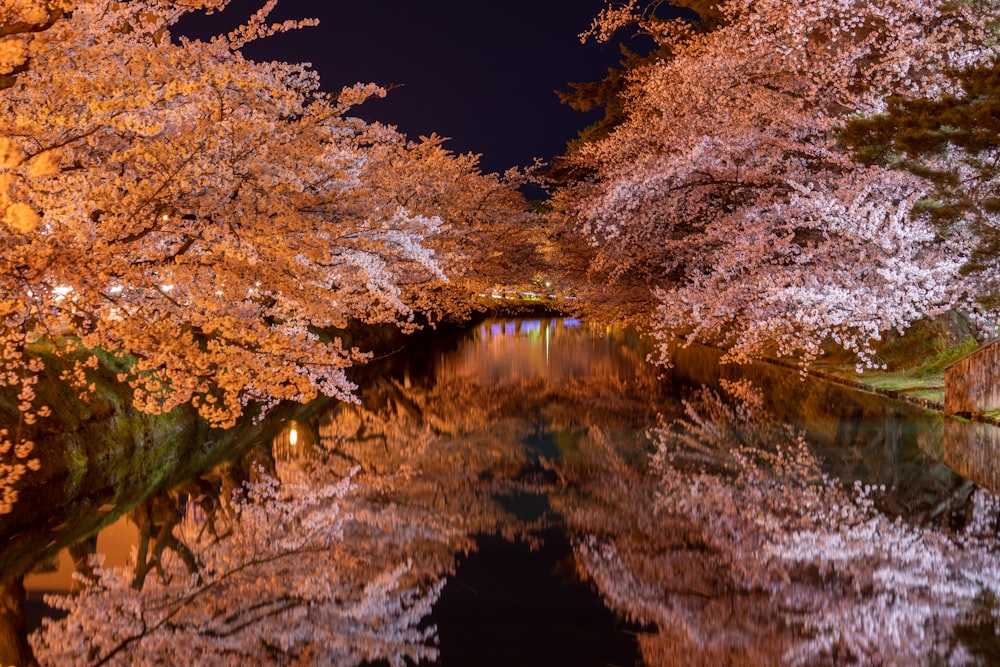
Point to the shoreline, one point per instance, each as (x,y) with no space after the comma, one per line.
(905,396)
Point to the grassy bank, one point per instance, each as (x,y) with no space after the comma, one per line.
(915,362)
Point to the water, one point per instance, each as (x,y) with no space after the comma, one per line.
(536,493)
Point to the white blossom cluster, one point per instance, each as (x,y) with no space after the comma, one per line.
(725,191)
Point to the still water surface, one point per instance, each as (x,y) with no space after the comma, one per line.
(535,493)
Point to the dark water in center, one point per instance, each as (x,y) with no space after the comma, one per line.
(535,493)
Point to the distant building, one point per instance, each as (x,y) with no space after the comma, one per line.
(972,384)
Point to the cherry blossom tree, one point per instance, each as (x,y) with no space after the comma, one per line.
(207,215)
(726,191)
(191,209)
(206,221)
(487,238)
(951,141)
(18,19)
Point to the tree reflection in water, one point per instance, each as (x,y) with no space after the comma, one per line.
(753,556)
(288,573)
(704,520)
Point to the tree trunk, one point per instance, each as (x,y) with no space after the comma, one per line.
(14,646)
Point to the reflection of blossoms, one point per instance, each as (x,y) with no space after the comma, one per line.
(899,591)
(905,589)
(660,570)
(753,555)
(308,573)
(315,569)
(437,452)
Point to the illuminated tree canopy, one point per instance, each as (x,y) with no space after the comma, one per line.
(207,216)
(725,189)
(953,141)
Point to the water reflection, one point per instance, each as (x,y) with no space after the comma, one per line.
(549,457)
(294,442)
(973,450)
(738,548)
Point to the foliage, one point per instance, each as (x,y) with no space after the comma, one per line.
(18,19)
(952,141)
(609,93)
(725,190)
(937,363)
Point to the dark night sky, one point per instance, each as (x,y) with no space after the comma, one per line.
(480,73)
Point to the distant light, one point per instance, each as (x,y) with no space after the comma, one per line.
(166,288)
(62,290)
(166,216)
(293,436)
